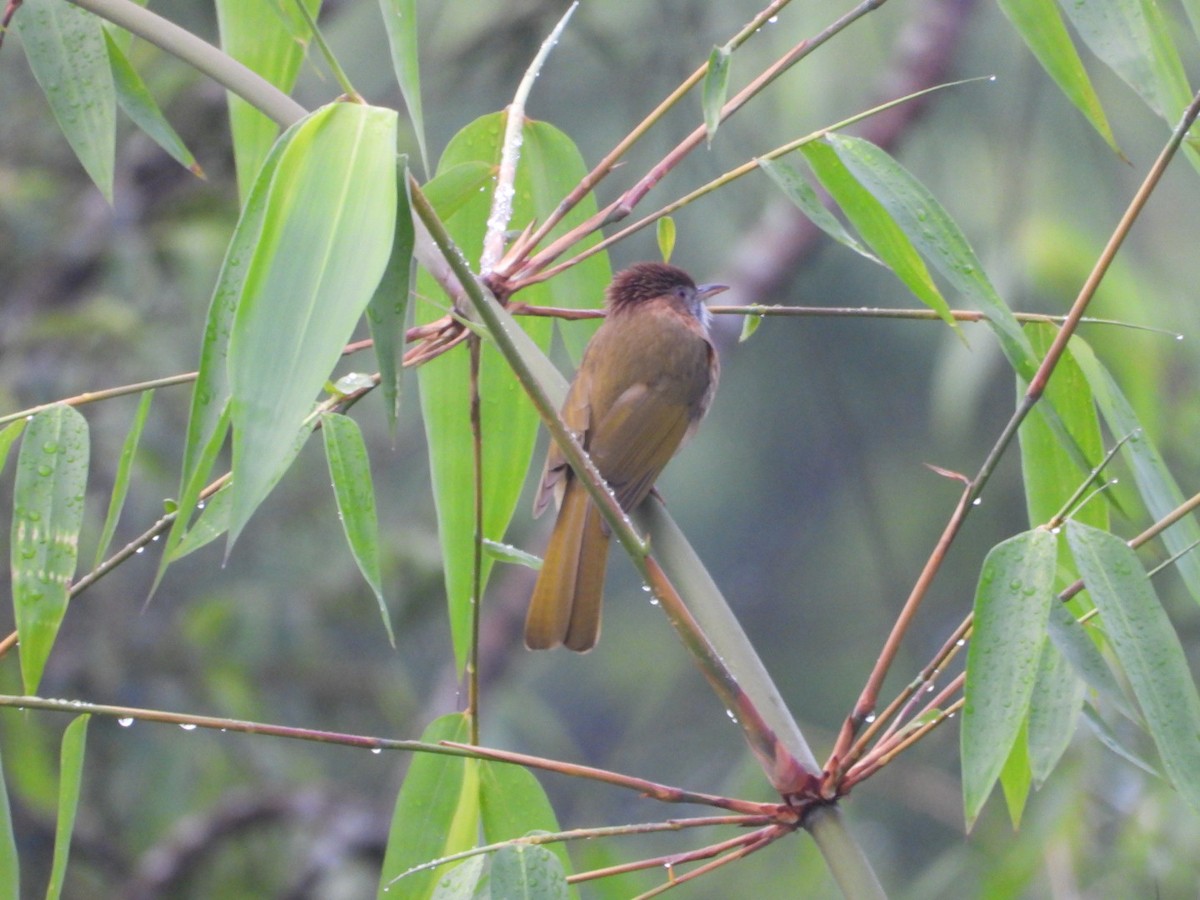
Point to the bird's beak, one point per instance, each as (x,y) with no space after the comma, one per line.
(704,291)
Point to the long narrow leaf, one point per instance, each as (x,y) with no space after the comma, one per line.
(271,39)
(437,813)
(388,310)
(47,516)
(8,437)
(801,193)
(550,166)
(1148,648)
(351,474)
(121,481)
(1133,39)
(513,803)
(1041,28)
(208,417)
(67,53)
(1078,648)
(400,23)
(10,863)
(325,241)
(74,743)
(1053,712)
(934,233)
(1155,484)
(1011,606)
(1048,469)
(877,226)
(138,103)
(715,88)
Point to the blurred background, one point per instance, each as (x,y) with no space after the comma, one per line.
(806,492)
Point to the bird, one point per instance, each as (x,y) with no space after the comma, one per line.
(646,379)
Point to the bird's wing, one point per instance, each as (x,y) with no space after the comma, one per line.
(635,439)
(576,412)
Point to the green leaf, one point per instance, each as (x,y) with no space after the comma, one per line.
(1155,483)
(940,241)
(325,242)
(877,226)
(1041,28)
(7,437)
(212,522)
(1053,712)
(513,804)
(437,813)
(10,863)
(458,185)
(1109,739)
(550,166)
(1148,649)
(208,418)
(121,481)
(272,39)
(715,88)
(1133,39)
(665,231)
(1015,777)
(138,103)
(67,53)
(400,22)
(750,323)
(1049,469)
(507,553)
(70,781)
(1011,606)
(388,309)
(801,193)
(528,871)
(351,473)
(467,879)
(48,503)
(1078,648)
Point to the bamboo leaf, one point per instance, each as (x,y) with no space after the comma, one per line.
(1016,778)
(437,813)
(10,863)
(524,870)
(1156,486)
(7,437)
(138,103)
(665,232)
(938,238)
(1053,712)
(325,241)
(400,22)
(1148,648)
(877,226)
(208,417)
(67,53)
(271,39)
(1041,27)
(1132,38)
(212,522)
(1011,605)
(121,480)
(550,166)
(1048,468)
(1078,648)
(48,503)
(513,803)
(715,88)
(388,309)
(74,743)
(350,470)
(801,193)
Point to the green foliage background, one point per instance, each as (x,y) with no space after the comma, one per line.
(805,493)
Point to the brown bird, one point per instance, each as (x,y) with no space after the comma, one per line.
(646,380)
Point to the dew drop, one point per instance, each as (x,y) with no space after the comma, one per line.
(978,501)
(125,721)
(140,550)
(961,642)
(188,726)
(870,718)
(376,750)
